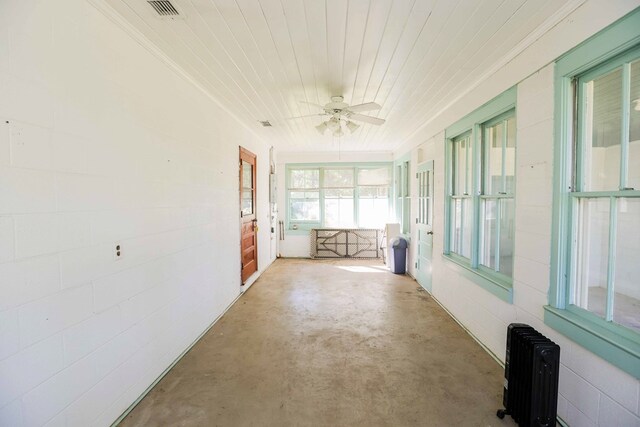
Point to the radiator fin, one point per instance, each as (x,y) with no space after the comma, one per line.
(532,365)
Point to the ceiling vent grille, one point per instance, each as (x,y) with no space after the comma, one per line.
(164,8)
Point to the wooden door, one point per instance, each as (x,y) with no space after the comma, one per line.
(425,224)
(248,218)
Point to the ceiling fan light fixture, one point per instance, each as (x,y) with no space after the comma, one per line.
(352,126)
(322,127)
(333,124)
(338,132)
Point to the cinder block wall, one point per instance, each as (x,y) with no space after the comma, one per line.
(103,144)
(592,391)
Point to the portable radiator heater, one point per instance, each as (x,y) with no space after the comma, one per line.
(531,371)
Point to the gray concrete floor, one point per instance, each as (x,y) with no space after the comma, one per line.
(330,343)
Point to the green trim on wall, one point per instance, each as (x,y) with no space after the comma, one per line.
(402,212)
(597,338)
(489,281)
(614,343)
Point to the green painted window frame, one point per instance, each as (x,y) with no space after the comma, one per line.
(402,194)
(303,227)
(502,106)
(614,343)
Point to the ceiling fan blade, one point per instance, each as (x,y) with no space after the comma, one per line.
(306,115)
(312,104)
(369,106)
(366,119)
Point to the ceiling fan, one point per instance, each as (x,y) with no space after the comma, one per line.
(339,113)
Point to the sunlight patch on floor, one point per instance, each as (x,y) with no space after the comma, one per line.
(360,269)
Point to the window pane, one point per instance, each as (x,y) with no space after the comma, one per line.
(493,153)
(592,254)
(338,178)
(510,157)
(461,159)
(305,210)
(305,178)
(338,213)
(633,177)
(297,179)
(602,126)
(626,307)
(247,177)
(461,219)
(507,231)
(247,202)
(499,152)
(374,213)
(489,233)
(496,251)
(379,176)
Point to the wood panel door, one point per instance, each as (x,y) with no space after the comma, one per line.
(248,218)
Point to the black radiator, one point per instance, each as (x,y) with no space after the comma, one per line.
(530,377)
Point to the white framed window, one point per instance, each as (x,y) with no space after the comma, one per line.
(338,196)
(304,195)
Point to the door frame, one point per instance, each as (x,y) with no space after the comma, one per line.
(421,276)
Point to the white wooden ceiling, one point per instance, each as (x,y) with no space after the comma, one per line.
(261,57)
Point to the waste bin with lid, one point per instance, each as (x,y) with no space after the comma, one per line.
(399,259)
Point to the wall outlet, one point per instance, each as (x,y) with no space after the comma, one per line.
(117,253)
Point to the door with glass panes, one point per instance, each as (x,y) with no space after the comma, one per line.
(424,223)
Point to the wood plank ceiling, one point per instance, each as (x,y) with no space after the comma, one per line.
(260,58)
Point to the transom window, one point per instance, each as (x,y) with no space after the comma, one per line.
(338,196)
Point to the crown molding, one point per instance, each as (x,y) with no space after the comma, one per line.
(523,45)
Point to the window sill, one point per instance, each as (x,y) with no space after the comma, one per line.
(500,288)
(597,336)
(298,232)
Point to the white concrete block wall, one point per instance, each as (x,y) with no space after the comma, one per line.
(102,143)
(592,391)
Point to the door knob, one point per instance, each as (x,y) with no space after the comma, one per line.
(430,232)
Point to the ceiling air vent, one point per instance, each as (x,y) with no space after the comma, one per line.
(164,8)
(265,123)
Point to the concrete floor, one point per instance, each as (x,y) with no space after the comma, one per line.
(330,343)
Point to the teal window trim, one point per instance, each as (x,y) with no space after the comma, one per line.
(489,280)
(303,227)
(614,343)
(494,111)
(402,194)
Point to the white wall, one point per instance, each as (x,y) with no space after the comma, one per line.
(102,143)
(296,245)
(592,391)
